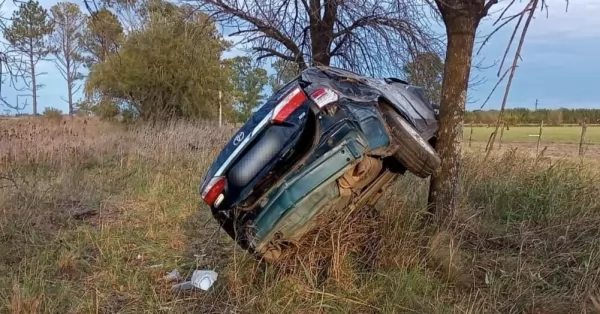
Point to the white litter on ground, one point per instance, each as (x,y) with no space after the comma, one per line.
(204,279)
(201,279)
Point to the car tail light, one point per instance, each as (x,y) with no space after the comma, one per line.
(324,96)
(212,191)
(289,104)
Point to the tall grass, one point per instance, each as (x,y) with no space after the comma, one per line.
(94,215)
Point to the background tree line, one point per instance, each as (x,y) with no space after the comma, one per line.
(519,116)
(153,60)
(112,53)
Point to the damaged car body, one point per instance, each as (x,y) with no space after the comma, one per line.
(329,139)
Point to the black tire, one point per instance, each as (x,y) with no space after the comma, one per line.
(414,152)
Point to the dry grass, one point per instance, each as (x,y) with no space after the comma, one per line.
(94,215)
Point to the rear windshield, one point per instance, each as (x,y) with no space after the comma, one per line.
(247,128)
(282,91)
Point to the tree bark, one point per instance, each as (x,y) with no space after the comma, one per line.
(461,25)
(33,84)
(70,90)
(322,30)
(70,77)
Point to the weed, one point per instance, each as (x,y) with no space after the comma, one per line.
(93,215)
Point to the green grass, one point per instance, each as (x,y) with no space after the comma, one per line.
(525,240)
(551,134)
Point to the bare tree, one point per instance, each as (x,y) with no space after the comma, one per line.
(66,40)
(368,36)
(27,34)
(12,68)
(529,12)
(462,18)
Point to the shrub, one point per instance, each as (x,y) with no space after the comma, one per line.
(106,110)
(53,114)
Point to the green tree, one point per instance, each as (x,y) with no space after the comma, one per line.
(285,71)
(66,40)
(102,36)
(170,68)
(247,82)
(426,70)
(27,34)
(132,13)
(106,109)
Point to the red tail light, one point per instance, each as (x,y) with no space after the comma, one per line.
(324,96)
(213,190)
(288,105)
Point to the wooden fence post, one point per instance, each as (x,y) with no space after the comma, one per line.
(539,137)
(582,139)
(501,134)
(471,135)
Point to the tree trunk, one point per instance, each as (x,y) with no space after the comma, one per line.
(444,185)
(70,90)
(33,85)
(69,70)
(321,30)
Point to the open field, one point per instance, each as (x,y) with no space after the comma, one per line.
(93,216)
(550,134)
(554,150)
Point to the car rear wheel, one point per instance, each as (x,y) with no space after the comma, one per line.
(414,152)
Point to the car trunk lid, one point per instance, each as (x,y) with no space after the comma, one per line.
(253,151)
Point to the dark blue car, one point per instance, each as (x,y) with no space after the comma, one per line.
(328,139)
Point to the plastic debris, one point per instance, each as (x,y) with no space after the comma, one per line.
(204,279)
(172,276)
(186,285)
(201,279)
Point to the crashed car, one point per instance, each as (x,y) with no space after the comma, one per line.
(329,139)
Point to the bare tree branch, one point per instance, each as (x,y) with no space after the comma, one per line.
(369,36)
(532,5)
(487,7)
(494,89)
(512,37)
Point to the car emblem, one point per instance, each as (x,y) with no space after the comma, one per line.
(238,139)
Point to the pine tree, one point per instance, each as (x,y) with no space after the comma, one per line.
(103,36)
(66,40)
(27,34)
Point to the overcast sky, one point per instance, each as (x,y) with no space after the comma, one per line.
(560,62)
